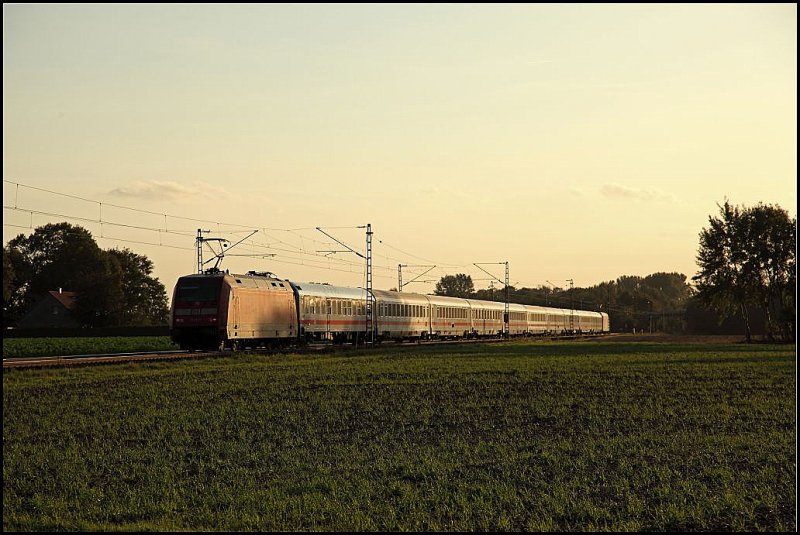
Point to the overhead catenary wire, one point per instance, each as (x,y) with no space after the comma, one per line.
(285,250)
(166,230)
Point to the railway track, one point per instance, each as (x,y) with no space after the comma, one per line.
(111,358)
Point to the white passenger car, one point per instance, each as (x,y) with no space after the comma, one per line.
(402,315)
(331,312)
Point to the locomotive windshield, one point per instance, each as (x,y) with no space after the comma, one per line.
(198,289)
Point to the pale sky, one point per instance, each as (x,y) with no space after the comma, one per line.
(578,142)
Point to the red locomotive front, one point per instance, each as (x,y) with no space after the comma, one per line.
(195,313)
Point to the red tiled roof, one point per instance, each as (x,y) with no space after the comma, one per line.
(65,298)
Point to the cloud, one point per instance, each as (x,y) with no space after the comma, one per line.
(575,190)
(617,191)
(169,190)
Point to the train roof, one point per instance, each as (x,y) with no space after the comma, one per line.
(445,301)
(406,298)
(326,290)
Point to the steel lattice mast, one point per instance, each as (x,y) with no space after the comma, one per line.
(370,311)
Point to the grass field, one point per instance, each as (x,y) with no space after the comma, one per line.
(47,347)
(512,436)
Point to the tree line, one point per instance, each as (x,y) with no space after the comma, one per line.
(747,272)
(114,287)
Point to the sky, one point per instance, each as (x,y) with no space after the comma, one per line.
(580,142)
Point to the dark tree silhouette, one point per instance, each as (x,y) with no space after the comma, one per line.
(144,297)
(458,285)
(747,258)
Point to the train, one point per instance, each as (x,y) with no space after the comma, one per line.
(219,310)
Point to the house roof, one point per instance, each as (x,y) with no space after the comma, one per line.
(65,298)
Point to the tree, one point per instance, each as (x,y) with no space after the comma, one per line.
(747,257)
(8,281)
(770,259)
(114,287)
(100,296)
(144,298)
(54,256)
(458,285)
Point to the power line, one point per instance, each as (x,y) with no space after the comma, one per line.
(221,228)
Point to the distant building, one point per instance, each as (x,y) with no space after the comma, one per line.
(54,309)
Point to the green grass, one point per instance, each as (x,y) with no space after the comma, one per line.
(47,347)
(513,436)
